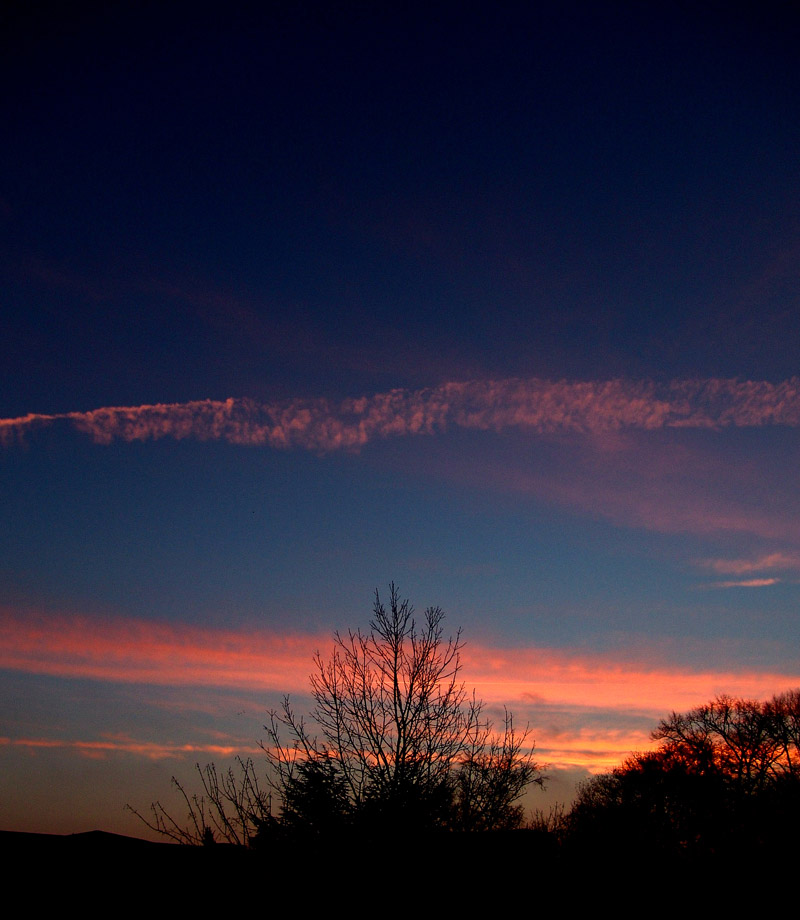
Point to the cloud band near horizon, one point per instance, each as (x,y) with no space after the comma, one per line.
(535,405)
(587,711)
(161,654)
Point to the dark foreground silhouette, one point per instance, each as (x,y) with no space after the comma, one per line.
(446,870)
(394,743)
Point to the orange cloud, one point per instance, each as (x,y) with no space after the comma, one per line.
(155,653)
(179,655)
(539,406)
(594,749)
(149,749)
(573,679)
(586,710)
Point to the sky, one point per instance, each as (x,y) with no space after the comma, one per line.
(497,303)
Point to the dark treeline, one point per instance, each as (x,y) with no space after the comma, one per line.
(724,780)
(397,754)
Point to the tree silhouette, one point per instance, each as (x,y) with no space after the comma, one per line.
(738,735)
(724,778)
(653,802)
(394,743)
(491,780)
(232,808)
(395,738)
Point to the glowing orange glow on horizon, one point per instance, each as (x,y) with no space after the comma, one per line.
(594,751)
(569,678)
(181,655)
(149,749)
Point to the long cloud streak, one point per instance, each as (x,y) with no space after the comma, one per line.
(156,653)
(149,749)
(539,406)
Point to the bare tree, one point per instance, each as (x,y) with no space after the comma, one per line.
(396,732)
(233,808)
(783,712)
(724,778)
(393,739)
(493,777)
(746,739)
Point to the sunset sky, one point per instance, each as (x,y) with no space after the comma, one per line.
(497,302)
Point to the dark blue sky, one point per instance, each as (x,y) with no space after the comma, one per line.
(554,249)
(223,202)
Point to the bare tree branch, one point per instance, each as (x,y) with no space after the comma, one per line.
(393,738)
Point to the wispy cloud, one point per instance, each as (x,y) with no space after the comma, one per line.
(569,678)
(136,651)
(594,748)
(538,406)
(177,655)
(666,481)
(586,711)
(766,562)
(757,566)
(746,583)
(152,750)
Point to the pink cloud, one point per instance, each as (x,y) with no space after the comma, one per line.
(782,561)
(149,749)
(746,583)
(586,710)
(534,405)
(593,748)
(156,653)
(570,678)
(13,430)
(178,655)
(660,481)
(619,449)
